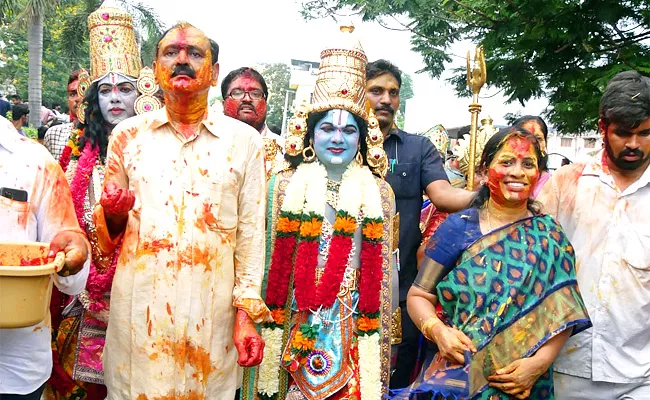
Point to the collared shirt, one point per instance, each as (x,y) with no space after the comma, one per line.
(610,231)
(56,138)
(25,353)
(192,253)
(414,163)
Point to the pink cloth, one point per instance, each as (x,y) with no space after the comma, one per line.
(540,183)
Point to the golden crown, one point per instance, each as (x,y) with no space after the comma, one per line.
(113,47)
(439,137)
(341,81)
(341,84)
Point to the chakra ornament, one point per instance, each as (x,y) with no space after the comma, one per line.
(113,47)
(84,84)
(147,88)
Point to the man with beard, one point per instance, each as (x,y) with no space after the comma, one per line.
(601,205)
(56,138)
(184,194)
(245,96)
(415,168)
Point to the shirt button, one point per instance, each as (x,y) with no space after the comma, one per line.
(403,173)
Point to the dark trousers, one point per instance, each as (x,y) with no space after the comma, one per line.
(407,352)
(36,395)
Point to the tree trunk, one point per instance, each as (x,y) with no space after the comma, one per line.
(35,53)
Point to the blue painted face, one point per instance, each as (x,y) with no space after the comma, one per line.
(336,139)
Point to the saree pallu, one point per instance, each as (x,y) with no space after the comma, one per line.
(510,292)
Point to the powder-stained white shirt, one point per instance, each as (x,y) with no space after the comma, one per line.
(25,353)
(610,231)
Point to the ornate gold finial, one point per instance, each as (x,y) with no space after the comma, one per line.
(113,47)
(476,78)
(349,28)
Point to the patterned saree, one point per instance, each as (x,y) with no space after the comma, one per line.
(510,292)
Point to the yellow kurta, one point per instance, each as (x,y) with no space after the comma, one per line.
(192,253)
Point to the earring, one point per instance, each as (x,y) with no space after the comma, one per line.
(359,157)
(147,87)
(309,149)
(84,84)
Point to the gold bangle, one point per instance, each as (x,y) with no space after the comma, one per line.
(426,327)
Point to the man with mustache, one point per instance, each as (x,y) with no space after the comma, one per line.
(245,96)
(415,169)
(601,205)
(184,194)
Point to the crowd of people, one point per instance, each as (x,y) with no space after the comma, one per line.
(208,257)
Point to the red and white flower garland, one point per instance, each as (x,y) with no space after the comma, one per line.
(298,231)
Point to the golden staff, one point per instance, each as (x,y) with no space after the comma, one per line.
(476,76)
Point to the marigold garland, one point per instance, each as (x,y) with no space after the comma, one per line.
(298,232)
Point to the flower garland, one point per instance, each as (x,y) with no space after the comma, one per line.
(298,231)
(98,283)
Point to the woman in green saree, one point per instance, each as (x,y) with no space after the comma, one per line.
(504,278)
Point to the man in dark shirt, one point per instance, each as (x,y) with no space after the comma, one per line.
(5,107)
(415,168)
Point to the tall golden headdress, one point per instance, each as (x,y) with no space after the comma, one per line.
(341,81)
(341,84)
(113,47)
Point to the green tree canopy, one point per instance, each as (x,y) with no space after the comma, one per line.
(566,50)
(277,77)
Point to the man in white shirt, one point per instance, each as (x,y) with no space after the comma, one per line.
(602,206)
(46,215)
(245,97)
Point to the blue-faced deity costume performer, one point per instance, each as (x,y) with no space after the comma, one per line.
(331,273)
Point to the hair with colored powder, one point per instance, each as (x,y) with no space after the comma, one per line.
(243,71)
(521,121)
(626,100)
(312,119)
(380,67)
(492,147)
(74,75)
(214,47)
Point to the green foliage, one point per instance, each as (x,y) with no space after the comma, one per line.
(565,50)
(405,93)
(277,77)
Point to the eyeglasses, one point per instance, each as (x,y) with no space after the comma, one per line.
(238,94)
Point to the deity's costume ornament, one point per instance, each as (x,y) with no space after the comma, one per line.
(114,49)
(341,83)
(462,149)
(329,284)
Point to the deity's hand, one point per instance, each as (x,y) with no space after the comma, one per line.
(116,201)
(518,377)
(74,246)
(248,342)
(451,342)
(477,75)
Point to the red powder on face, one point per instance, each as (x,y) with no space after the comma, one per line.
(515,150)
(252,112)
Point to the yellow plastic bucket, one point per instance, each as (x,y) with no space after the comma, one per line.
(25,284)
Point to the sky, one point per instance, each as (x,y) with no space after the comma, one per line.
(253,32)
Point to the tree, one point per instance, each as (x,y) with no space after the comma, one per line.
(566,50)
(277,77)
